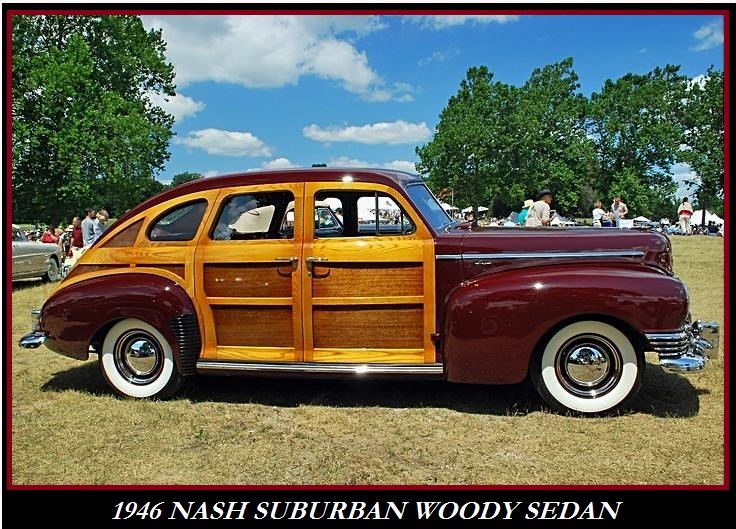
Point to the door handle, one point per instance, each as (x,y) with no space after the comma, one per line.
(311,261)
(293,262)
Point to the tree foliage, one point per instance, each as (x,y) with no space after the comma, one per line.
(84,130)
(183,178)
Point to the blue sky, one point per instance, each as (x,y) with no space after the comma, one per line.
(287,91)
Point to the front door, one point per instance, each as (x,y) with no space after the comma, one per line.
(368,276)
(248,283)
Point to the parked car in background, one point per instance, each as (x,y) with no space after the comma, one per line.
(34,259)
(330,272)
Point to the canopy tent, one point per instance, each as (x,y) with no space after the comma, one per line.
(469,209)
(448,207)
(367,208)
(697,218)
(641,218)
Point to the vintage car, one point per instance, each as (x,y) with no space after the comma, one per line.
(34,259)
(257,274)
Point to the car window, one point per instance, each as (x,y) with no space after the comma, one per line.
(180,223)
(255,216)
(359,214)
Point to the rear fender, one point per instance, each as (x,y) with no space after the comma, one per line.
(493,325)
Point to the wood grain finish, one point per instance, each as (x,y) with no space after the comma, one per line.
(367,279)
(125,237)
(86,269)
(269,326)
(248,280)
(257,354)
(174,269)
(369,327)
(371,356)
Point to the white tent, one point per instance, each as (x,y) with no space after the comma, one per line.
(448,207)
(641,218)
(697,218)
(469,209)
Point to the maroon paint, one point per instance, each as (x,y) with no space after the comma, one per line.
(74,314)
(494,323)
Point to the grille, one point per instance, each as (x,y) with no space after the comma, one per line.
(186,332)
(669,344)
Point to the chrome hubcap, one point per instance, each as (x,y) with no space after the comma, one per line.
(138,357)
(588,366)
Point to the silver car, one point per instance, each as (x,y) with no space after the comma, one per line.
(35,259)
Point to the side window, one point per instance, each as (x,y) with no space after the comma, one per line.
(359,214)
(256,216)
(179,223)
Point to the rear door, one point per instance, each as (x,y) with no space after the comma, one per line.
(248,283)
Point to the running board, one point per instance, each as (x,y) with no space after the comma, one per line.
(318,369)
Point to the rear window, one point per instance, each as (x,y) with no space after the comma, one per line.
(180,223)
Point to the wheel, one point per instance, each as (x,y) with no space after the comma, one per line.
(52,274)
(137,361)
(587,367)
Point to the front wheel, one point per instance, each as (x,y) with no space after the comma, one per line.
(52,271)
(587,367)
(137,361)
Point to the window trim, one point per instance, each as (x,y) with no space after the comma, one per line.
(239,193)
(153,223)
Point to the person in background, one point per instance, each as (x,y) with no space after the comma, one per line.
(77,239)
(59,231)
(618,210)
(88,226)
(539,215)
(525,211)
(49,237)
(598,214)
(338,214)
(684,212)
(100,224)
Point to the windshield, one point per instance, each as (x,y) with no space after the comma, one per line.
(428,205)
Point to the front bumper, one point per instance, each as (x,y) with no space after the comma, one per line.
(37,337)
(689,349)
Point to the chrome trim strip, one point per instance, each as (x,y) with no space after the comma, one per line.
(540,255)
(314,367)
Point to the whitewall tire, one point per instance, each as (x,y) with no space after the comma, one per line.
(587,367)
(137,361)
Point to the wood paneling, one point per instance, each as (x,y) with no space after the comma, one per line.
(126,237)
(369,326)
(370,356)
(269,326)
(257,354)
(174,269)
(367,279)
(248,280)
(86,269)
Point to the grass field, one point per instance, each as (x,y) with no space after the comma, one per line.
(68,428)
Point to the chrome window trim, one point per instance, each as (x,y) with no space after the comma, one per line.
(540,255)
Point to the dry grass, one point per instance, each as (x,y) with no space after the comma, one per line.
(69,429)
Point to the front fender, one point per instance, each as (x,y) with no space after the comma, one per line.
(494,324)
(75,314)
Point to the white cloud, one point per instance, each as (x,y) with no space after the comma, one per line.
(179,106)
(264,51)
(709,36)
(394,133)
(211,172)
(682,172)
(399,165)
(226,143)
(278,163)
(446,21)
(439,56)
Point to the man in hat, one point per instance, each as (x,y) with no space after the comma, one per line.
(525,211)
(539,215)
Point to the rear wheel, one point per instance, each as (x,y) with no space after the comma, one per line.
(52,273)
(587,367)
(137,361)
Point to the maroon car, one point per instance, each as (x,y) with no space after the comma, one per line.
(361,272)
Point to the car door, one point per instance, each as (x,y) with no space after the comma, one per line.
(368,286)
(21,254)
(248,286)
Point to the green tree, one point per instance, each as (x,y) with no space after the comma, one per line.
(703,119)
(84,129)
(183,178)
(636,123)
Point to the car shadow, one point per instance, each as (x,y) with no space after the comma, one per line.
(26,284)
(662,395)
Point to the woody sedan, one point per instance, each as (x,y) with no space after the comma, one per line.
(331,272)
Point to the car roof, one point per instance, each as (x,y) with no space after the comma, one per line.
(389,177)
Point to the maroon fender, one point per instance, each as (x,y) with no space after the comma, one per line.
(493,324)
(75,315)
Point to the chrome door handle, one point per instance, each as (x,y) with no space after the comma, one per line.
(293,263)
(312,261)
(292,260)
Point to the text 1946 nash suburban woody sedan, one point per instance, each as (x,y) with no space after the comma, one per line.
(259,273)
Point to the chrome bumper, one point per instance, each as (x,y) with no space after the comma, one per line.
(689,349)
(36,337)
